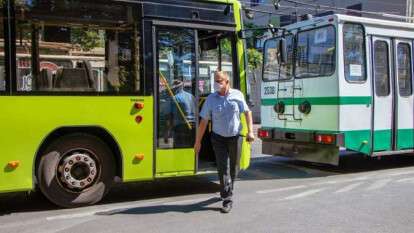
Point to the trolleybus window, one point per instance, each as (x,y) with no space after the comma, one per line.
(381,68)
(354,52)
(100,54)
(316,52)
(273,69)
(404,69)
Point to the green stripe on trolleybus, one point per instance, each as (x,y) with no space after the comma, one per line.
(336,100)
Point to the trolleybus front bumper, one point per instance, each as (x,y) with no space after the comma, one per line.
(306,146)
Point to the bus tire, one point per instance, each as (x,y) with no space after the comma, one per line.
(76,170)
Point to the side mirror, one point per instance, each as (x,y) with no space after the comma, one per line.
(283,51)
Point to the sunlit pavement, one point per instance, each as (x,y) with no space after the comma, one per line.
(274,195)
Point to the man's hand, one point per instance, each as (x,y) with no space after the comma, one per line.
(197,147)
(250,137)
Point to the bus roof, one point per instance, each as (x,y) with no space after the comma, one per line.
(355,19)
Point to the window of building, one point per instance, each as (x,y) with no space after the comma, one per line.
(381,68)
(354,52)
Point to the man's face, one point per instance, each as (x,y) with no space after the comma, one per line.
(223,81)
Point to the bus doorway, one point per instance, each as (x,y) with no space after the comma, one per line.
(186,62)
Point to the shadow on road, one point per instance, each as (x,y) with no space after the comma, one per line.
(35,201)
(158,209)
(354,163)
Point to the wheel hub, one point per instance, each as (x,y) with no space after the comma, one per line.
(78,170)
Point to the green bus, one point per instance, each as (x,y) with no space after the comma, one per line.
(97,92)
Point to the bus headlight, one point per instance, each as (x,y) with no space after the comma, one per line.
(279,107)
(305,107)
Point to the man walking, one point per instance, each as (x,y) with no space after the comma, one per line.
(223,108)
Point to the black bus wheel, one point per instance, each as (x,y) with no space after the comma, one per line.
(76,170)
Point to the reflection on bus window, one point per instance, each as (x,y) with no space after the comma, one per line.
(381,68)
(210,59)
(404,69)
(354,52)
(93,56)
(177,103)
(273,69)
(316,52)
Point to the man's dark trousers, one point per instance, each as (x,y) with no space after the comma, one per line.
(227,150)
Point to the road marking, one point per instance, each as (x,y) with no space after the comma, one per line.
(71,216)
(304,194)
(348,187)
(342,181)
(313,171)
(280,189)
(408,180)
(378,184)
(401,173)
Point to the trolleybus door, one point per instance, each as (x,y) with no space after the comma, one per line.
(403,122)
(382,94)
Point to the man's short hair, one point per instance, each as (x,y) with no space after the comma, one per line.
(222,74)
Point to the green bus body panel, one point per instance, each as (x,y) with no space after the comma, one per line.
(350,100)
(382,140)
(358,140)
(25,121)
(173,162)
(405,139)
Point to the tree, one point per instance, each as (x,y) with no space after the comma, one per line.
(255,60)
(87,39)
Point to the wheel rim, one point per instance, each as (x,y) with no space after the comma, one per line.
(78,170)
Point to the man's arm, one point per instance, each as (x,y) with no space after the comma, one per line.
(200,133)
(249,121)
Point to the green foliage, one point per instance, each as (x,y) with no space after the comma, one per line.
(255,59)
(86,39)
(225,46)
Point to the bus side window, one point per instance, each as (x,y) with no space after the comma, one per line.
(354,52)
(93,55)
(404,69)
(381,68)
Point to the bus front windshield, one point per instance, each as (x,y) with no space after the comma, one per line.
(273,68)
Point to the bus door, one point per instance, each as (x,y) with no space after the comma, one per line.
(383,93)
(176,101)
(403,118)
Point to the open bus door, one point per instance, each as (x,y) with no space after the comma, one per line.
(186,61)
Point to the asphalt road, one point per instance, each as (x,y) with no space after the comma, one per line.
(274,195)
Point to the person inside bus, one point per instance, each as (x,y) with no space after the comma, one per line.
(223,108)
(182,116)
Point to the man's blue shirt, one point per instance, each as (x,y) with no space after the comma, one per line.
(224,112)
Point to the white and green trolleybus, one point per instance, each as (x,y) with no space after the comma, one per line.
(97,91)
(338,82)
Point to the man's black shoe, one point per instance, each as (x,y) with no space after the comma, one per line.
(226,207)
